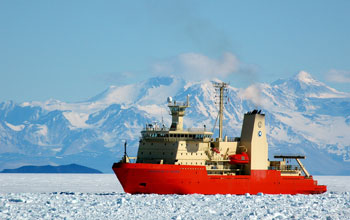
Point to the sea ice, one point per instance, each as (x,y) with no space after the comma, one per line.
(100,197)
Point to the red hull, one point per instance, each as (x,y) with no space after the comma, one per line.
(183,179)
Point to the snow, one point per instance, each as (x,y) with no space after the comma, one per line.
(77,120)
(306,78)
(15,127)
(109,139)
(100,196)
(321,123)
(44,183)
(328,95)
(42,130)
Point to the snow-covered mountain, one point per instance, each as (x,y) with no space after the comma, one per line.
(303,116)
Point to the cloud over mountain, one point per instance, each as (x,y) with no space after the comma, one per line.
(192,66)
(339,76)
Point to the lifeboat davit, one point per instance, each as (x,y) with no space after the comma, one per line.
(241,158)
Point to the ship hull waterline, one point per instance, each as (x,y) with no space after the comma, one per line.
(142,178)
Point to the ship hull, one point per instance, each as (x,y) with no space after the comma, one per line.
(137,178)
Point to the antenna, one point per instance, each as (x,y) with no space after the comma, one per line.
(161,112)
(125,143)
(221,87)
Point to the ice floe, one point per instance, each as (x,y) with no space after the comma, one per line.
(100,197)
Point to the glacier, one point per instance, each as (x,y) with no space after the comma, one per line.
(303,116)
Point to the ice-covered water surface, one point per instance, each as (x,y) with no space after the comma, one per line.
(36,183)
(70,205)
(74,196)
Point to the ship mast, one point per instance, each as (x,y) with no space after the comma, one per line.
(221,87)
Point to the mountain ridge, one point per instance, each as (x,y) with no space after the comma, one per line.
(303,115)
(70,168)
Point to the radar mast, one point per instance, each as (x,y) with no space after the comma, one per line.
(221,87)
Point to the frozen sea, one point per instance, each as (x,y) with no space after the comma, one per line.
(100,196)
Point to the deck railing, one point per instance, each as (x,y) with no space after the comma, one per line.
(168,129)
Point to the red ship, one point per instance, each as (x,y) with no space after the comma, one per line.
(186,161)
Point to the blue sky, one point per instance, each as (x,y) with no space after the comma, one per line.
(73,50)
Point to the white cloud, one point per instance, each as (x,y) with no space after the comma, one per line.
(194,65)
(339,76)
(254,93)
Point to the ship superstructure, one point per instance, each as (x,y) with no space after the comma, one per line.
(177,160)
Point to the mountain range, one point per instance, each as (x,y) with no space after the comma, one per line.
(70,168)
(303,116)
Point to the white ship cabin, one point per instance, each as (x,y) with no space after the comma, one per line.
(222,155)
(176,145)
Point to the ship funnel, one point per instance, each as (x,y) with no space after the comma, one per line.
(254,138)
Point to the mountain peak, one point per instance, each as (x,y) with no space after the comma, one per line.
(305,77)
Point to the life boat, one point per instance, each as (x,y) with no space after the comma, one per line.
(241,158)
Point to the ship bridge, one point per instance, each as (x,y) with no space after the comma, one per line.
(174,144)
(166,134)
